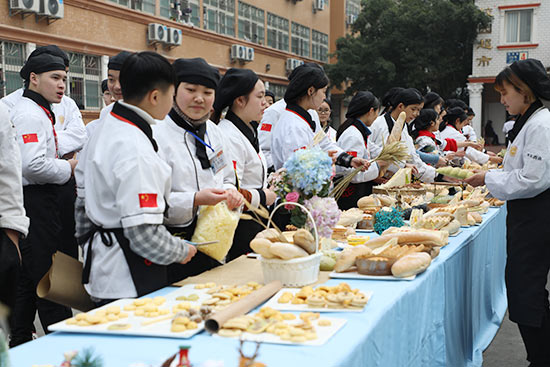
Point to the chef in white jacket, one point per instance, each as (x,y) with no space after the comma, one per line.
(242,92)
(454,121)
(194,148)
(271,116)
(352,137)
(524,182)
(296,129)
(43,174)
(409,101)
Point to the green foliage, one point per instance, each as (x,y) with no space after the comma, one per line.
(87,358)
(409,43)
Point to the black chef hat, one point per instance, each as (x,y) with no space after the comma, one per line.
(196,71)
(303,79)
(52,50)
(532,72)
(361,103)
(432,99)
(104,86)
(304,65)
(235,83)
(269,93)
(115,62)
(41,64)
(454,113)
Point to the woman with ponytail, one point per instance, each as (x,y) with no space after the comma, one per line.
(352,137)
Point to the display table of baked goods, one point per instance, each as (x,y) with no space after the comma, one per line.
(445,317)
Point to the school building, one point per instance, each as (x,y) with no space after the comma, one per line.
(269,37)
(519,30)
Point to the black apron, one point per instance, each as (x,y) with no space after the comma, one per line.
(198,264)
(528,259)
(147,276)
(353,193)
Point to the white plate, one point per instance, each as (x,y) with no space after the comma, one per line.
(273,303)
(159,329)
(324,333)
(361,231)
(456,233)
(356,275)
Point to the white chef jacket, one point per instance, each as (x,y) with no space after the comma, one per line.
(269,120)
(526,170)
(249,166)
(36,139)
(177,147)
(352,142)
(11,187)
(331,133)
(379,136)
(126,185)
(291,133)
(472,154)
(71,132)
(469,132)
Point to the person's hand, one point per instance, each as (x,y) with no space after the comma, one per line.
(270,197)
(234,199)
(413,167)
(333,155)
(496,159)
(476,180)
(360,162)
(192,251)
(209,196)
(475,145)
(73,162)
(13,235)
(459,154)
(442,162)
(491,153)
(69,155)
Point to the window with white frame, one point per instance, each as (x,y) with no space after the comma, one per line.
(12,58)
(184,11)
(300,39)
(519,25)
(277,32)
(84,79)
(219,16)
(251,23)
(148,6)
(353,8)
(319,46)
(277,89)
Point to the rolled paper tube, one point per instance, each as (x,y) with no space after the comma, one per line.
(241,307)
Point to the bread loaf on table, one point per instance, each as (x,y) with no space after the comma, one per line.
(347,258)
(408,235)
(287,251)
(410,265)
(261,246)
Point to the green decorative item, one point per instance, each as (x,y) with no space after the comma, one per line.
(385,219)
(87,358)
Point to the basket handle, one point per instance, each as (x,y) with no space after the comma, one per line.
(307,212)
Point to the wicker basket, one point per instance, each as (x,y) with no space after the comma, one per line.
(295,272)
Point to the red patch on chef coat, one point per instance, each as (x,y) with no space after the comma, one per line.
(147,262)
(235,165)
(266,127)
(148,201)
(30,138)
(353,154)
(299,148)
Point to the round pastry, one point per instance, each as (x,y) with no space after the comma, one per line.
(374,265)
(315,301)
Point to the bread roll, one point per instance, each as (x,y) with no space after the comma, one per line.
(271,234)
(408,235)
(287,251)
(452,227)
(411,265)
(261,246)
(348,256)
(477,217)
(305,240)
(367,202)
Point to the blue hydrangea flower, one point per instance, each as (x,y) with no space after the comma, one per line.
(309,170)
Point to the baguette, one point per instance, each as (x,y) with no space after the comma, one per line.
(411,264)
(261,246)
(397,130)
(407,235)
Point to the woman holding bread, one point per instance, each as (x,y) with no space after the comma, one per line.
(524,182)
(243,93)
(193,146)
(352,137)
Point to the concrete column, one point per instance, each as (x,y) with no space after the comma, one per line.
(103,67)
(29,48)
(475,90)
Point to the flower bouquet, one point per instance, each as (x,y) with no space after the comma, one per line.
(306,179)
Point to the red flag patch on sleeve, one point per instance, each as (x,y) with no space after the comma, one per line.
(30,138)
(352,153)
(235,165)
(148,201)
(266,127)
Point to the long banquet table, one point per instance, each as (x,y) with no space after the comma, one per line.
(447,316)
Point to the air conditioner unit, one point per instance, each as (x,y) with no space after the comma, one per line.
(51,8)
(249,54)
(238,52)
(174,36)
(157,33)
(350,19)
(318,5)
(292,64)
(30,6)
